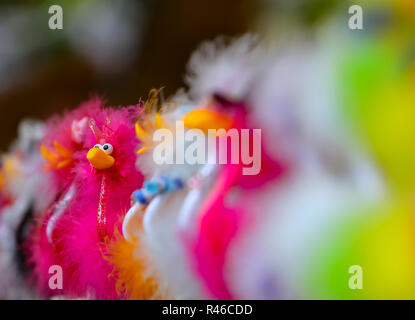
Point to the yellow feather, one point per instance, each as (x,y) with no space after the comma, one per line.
(62,151)
(158,120)
(130,267)
(141,133)
(63,164)
(48,155)
(142,150)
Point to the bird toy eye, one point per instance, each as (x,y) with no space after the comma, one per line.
(98,146)
(108,149)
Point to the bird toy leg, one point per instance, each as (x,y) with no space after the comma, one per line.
(101,214)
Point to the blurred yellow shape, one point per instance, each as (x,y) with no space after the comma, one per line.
(205,119)
(56,161)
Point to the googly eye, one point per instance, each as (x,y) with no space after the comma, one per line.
(98,146)
(108,149)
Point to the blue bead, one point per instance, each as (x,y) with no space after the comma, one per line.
(139,197)
(178,183)
(169,186)
(152,186)
(164,181)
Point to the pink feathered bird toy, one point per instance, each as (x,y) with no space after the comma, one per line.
(95,170)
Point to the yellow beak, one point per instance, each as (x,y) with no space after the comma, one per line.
(99,159)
